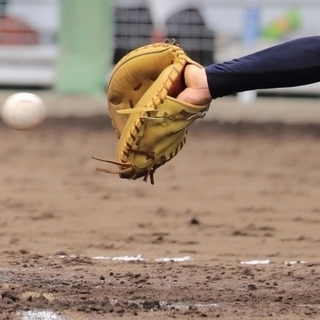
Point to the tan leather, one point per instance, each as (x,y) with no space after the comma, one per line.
(150,122)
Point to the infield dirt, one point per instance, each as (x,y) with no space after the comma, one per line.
(230,229)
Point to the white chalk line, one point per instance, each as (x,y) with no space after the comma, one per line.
(50,315)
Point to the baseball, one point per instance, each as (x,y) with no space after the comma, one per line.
(23,111)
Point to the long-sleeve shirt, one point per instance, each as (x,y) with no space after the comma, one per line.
(289,64)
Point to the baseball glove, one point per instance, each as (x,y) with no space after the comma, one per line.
(150,122)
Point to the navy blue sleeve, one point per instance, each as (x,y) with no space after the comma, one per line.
(289,64)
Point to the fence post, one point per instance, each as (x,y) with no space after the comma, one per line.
(86,46)
(250,35)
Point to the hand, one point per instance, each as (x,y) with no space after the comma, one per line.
(197,91)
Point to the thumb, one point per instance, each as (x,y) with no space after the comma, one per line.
(189,95)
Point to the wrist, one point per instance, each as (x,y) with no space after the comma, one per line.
(203,83)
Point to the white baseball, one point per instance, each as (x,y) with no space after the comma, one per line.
(23,111)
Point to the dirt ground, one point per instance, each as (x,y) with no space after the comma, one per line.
(230,229)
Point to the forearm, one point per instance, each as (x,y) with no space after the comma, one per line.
(289,64)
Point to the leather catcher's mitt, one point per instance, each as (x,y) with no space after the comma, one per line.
(150,122)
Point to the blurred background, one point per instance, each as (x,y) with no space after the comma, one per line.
(70,46)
